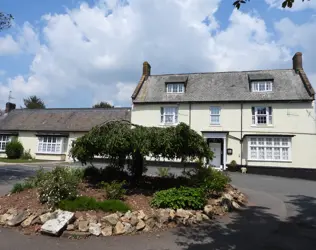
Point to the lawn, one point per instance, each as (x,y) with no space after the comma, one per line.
(6,160)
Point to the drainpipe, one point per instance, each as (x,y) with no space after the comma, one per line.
(190,114)
(241,132)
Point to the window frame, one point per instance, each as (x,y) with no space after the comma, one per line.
(175,115)
(48,141)
(268,116)
(215,115)
(256,86)
(262,143)
(175,88)
(4,142)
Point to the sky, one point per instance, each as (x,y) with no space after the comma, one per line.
(76,53)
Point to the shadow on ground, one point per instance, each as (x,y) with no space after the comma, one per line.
(248,230)
(10,174)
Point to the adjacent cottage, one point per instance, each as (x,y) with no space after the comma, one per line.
(48,133)
(261,118)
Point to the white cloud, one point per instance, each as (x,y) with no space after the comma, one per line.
(8,46)
(88,54)
(297,6)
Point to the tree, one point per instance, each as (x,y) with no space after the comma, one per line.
(5,20)
(103,105)
(285,4)
(33,102)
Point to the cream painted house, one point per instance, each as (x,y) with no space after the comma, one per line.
(48,133)
(263,118)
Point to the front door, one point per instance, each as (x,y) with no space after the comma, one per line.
(216,148)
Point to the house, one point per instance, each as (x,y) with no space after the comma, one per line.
(260,119)
(48,133)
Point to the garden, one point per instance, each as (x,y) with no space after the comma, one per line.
(120,198)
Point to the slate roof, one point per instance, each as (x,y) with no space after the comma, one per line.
(60,120)
(225,87)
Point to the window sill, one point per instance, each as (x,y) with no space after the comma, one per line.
(262,126)
(47,153)
(215,125)
(275,161)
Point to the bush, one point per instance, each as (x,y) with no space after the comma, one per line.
(88,203)
(163,172)
(107,174)
(57,185)
(183,197)
(27,155)
(209,179)
(14,149)
(19,187)
(114,190)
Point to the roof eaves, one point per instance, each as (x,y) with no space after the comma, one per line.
(307,83)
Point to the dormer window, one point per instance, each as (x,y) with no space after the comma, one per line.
(261,86)
(175,87)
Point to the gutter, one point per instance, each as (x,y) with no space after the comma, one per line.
(241,131)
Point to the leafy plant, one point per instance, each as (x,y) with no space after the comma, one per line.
(27,155)
(59,184)
(14,149)
(183,197)
(84,203)
(163,172)
(114,190)
(19,187)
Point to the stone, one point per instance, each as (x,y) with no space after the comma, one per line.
(208,210)
(75,234)
(172,214)
(29,220)
(128,228)
(55,226)
(140,225)
(92,218)
(235,205)
(111,219)
(4,218)
(128,214)
(47,216)
(95,229)
(70,227)
(83,226)
(163,216)
(107,231)
(198,217)
(141,215)
(18,218)
(119,228)
(147,229)
(12,211)
(228,196)
(134,220)
(227,204)
(151,223)
(205,217)
(183,213)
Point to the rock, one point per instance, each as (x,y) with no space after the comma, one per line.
(141,215)
(183,213)
(163,216)
(119,214)
(95,229)
(235,205)
(208,210)
(119,228)
(18,218)
(227,204)
(151,223)
(111,219)
(198,217)
(128,214)
(205,217)
(29,220)
(140,225)
(47,216)
(92,218)
(228,196)
(172,214)
(83,226)
(54,226)
(147,229)
(4,218)
(107,231)
(75,234)
(128,228)
(70,227)
(134,220)
(12,211)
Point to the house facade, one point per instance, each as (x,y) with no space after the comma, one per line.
(263,118)
(48,133)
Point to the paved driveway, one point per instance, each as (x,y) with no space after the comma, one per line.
(281,216)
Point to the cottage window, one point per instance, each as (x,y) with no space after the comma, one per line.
(269,148)
(169,115)
(52,145)
(261,86)
(175,88)
(262,115)
(215,115)
(4,140)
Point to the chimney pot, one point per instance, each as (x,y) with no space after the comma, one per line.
(297,61)
(9,107)
(146,69)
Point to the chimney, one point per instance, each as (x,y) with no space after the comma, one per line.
(146,69)
(9,107)
(297,61)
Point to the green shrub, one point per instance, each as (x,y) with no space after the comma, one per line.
(183,197)
(113,173)
(14,149)
(210,179)
(59,184)
(163,172)
(88,203)
(27,155)
(19,187)
(114,190)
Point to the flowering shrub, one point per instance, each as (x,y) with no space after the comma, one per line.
(57,185)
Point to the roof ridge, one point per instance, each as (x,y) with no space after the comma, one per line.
(71,109)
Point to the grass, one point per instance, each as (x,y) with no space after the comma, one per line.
(20,160)
(85,203)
